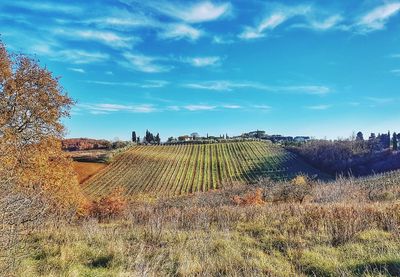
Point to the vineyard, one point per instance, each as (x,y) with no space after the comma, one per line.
(182,169)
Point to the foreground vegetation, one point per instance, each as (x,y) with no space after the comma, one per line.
(297,228)
(181,169)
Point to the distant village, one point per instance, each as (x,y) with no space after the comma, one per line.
(150,138)
(375,142)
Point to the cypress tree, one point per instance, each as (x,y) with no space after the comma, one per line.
(394,141)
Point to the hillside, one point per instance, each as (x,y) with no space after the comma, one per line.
(76,144)
(180,169)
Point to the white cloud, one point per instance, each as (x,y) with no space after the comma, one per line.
(200,107)
(378,17)
(319,107)
(105,108)
(78,56)
(354,104)
(192,13)
(144,63)
(331,22)
(262,107)
(213,85)
(180,31)
(46,7)
(230,86)
(122,19)
(228,106)
(395,72)
(106,83)
(154,84)
(328,23)
(272,21)
(108,38)
(44,43)
(310,89)
(146,84)
(79,70)
(380,100)
(222,40)
(203,61)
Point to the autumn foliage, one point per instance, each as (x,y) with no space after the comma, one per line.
(113,205)
(252,198)
(32,103)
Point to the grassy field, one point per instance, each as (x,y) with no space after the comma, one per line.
(182,169)
(339,231)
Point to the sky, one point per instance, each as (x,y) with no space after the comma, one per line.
(318,68)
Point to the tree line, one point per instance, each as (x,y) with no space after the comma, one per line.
(149,138)
(380,141)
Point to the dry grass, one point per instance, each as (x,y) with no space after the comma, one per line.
(338,231)
(85,170)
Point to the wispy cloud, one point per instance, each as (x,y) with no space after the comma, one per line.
(272,20)
(105,108)
(262,107)
(154,84)
(203,61)
(270,23)
(230,86)
(200,107)
(378,17)
(380,100)
(108,38)
(144,63)
(76,56)
(106,83)
(180,31)
(46,7)
(145,84)
(317,19)
(329,23)
(123,19)
(219,39)
(192,12)
(79,70)
(233,107)
(326,24)
(395,72)
(319,107)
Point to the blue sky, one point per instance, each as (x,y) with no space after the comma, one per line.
(177,67)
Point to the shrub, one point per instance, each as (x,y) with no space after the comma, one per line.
(252,198)
(294,191)
(110,206)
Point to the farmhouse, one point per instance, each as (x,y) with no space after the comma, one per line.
(301,139)
(185,138)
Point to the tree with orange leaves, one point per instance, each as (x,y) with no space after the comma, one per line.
(32,104)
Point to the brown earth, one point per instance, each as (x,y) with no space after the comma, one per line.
(85,170)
